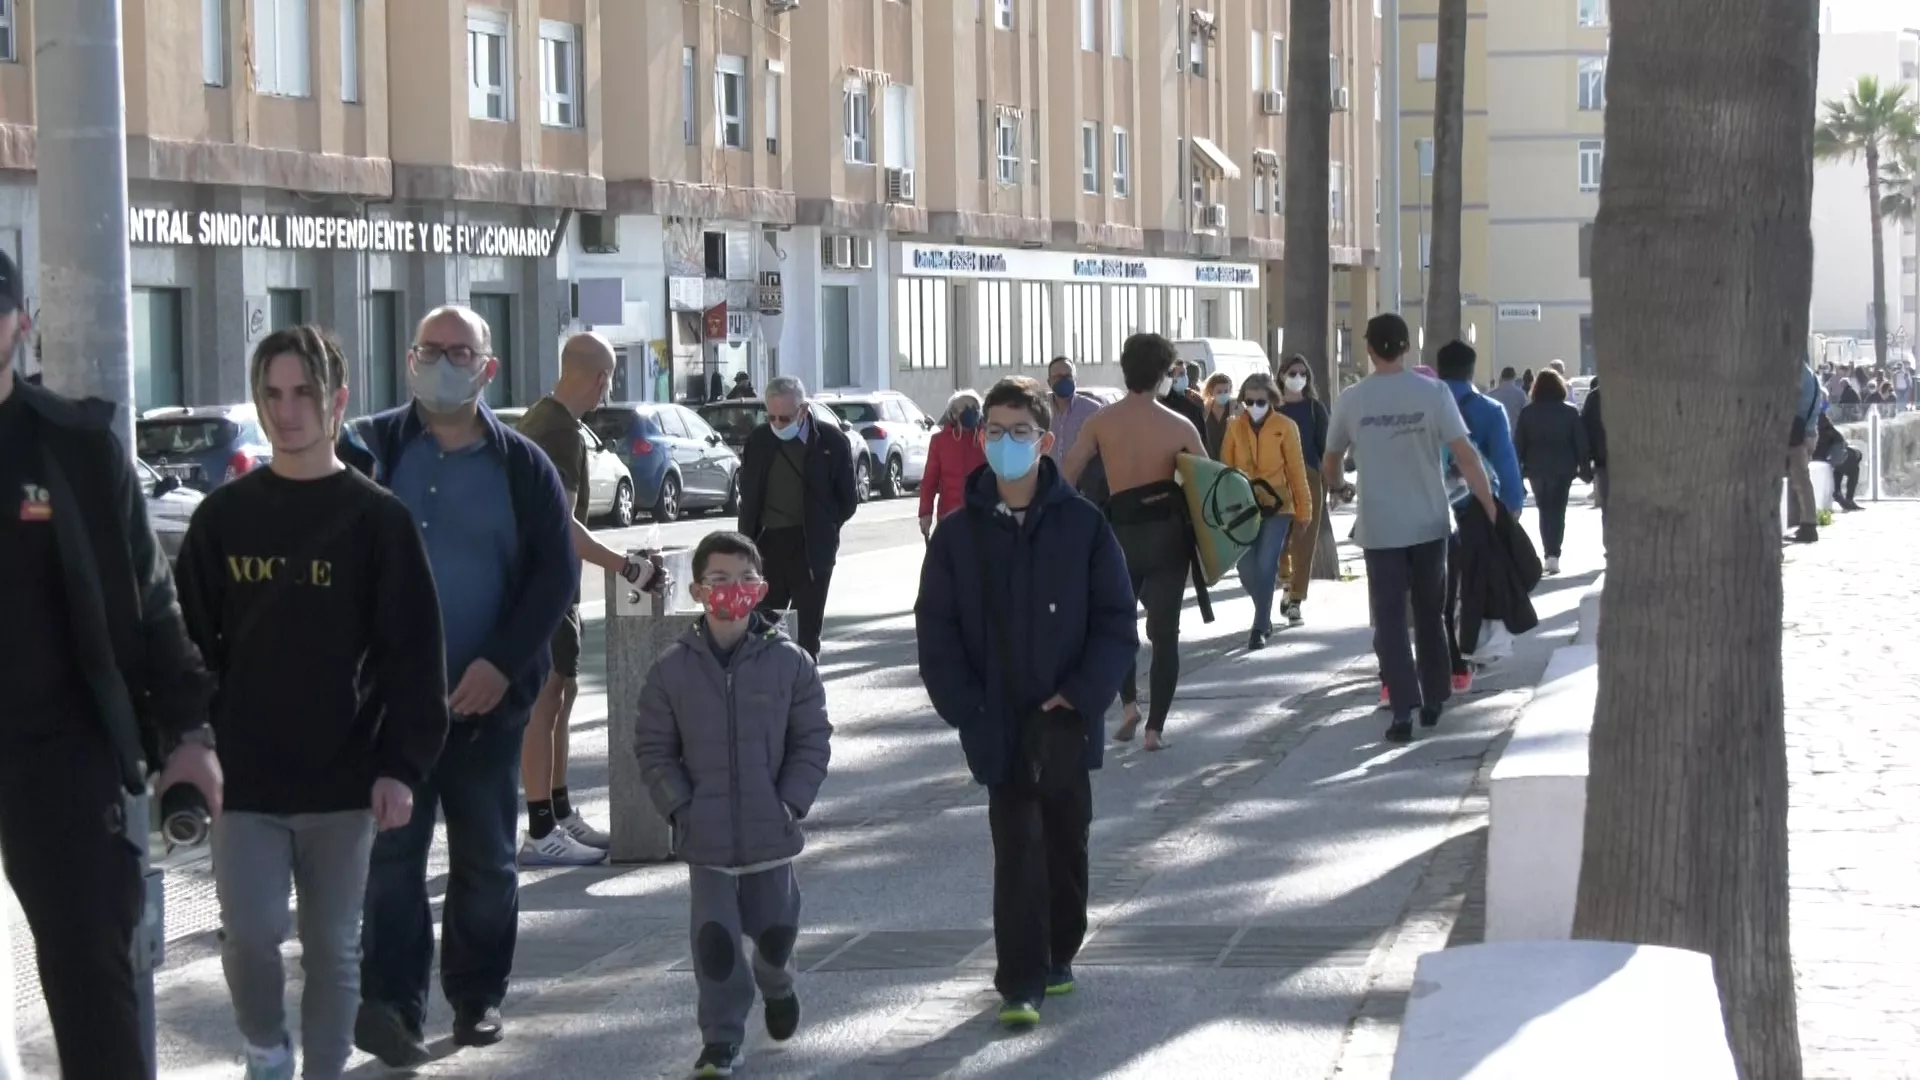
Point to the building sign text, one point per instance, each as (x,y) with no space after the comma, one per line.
(960,261)
(304,232)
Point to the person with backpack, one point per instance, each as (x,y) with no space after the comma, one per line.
(1025,624)
(1265,445)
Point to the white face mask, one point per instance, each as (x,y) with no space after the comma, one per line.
(1296,383)
(1257,410)
(1165,387)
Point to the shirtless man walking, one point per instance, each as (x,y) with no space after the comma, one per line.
(1139,440)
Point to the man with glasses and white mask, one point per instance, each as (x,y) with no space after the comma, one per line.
(499,537)
(796,490)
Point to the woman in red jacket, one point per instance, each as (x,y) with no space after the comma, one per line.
(955,453)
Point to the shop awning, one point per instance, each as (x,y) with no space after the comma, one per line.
(1211,159)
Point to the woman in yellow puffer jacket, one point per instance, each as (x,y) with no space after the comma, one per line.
(1266,446)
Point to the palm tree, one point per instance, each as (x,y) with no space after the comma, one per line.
(1308,269)
(1900,179)
(1700,239)
(1441,316)
(1869,123)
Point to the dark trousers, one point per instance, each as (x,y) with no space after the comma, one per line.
(1039,882)
(76,872)
(793,583)
(1393,576)
(476,783)
(1550,495)
(1846,478)
(1157,554)
(1459,645)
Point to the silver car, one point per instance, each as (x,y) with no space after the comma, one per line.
(609,486)
(898,435)
(170,507)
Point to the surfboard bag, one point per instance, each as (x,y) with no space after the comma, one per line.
(1223,512)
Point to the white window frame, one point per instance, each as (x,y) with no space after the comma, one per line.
(1196,51)
(1592,13)
(1259,194)
(350,23)
(1277,64)
(1089,25)
(1117,28)
(560,106)
(770,111)
(1006,150)
(897,97)
(1003,14)
(483,22)
(1337,194)
(282,67)
(1426,61)
(1593,161)
(1089,158)
(689,126)
(1423,156)
(1255,54)
(856,118)
(213,39)
(1590,86)
(1336,73)
(1122,163)
(730,131)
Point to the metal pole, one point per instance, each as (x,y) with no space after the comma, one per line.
(86,290)
(1390,253)
(1873,453)
(85,285)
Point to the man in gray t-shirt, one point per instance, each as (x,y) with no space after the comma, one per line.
(1400,425)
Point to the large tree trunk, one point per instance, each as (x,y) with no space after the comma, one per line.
(1308,260)
(1879,258)
(1703,235)
(1441,315)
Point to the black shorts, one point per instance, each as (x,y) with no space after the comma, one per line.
(566,645)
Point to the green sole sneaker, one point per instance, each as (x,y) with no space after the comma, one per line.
(1061,988)
(1019,1014)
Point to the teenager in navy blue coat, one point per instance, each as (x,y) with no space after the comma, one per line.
(1051,596)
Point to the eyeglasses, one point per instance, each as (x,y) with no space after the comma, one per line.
(715,581)
(460,356)
(1251,402)
(1025,433)
(781,419)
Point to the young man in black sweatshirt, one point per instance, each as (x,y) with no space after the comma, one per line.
(308,589)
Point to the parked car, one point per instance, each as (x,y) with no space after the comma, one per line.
(676,461)
(203,446)
(897,432)
(170,507)
(609,488)
(735,420)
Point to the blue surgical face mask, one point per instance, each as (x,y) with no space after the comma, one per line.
(788,433)
(1223,399)
(1011,459)
(970,418)
(1179,384)
(1063,388)
(443,388)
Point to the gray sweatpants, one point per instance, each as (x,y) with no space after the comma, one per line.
(764,907)
(256,858)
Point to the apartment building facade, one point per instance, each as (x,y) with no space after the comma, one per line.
(930,195)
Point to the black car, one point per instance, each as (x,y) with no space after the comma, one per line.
(735,420)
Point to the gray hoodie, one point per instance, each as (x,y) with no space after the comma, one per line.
(734,756)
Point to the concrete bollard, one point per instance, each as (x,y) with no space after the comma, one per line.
(639,626)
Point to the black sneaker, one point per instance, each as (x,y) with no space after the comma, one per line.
(477,1025)
(718,1059)
(379,1030)
(1429,715)
(783,1017)
(1256,641)
(1806,534)
(1401,730)
(1060,981)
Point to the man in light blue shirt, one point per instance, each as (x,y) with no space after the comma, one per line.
(1070,410)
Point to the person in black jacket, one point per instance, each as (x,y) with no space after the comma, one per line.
(1551,443)
(1592,419)
(1831,447)
(101,683)
(796,490)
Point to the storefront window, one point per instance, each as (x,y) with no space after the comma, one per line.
(497,310)
(993,323)
(1085,343)
(1152,299)
(922,311)
(158,349)
(1179,313)
(286,307)
(836,335)
(384,375)
(1036,326)
(1124,302)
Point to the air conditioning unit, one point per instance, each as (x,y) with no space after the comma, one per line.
(842,253)
(863,252)
(900,185)
(1340,99)
(1215,216)
(599,234)
(1273,103)
(782,7)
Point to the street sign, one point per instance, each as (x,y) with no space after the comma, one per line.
(1517,312)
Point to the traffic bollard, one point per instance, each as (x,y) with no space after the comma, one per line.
(639,626)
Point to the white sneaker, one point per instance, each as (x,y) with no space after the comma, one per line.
(1553,564)
(558,848)
(1496,644)
(577,827)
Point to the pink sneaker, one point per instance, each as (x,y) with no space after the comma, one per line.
(1385,697)
(1462,682)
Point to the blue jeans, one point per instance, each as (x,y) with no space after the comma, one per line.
(477,783)
(1260,569)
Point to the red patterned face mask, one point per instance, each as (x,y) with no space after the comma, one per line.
(736,600)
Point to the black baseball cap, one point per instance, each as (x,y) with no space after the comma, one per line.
(11,297)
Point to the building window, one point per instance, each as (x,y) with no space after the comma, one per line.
(1122,163)
(1180,313)
(1335,75)
(1593,83)
(559,75)
(1378,198)
(857,141)
(1085,342)
(1117,27)
(730,101)
(896,134)
(1036,321)
(1585,257)
(922,330)
(1586,344)
(497,310)
(686,96)
(1593,154)
(1277,64)
(836,335)
(1426,250)
(384,372)
(213,39)
(1279,200)
(1003,14)
(1423,152)
(1337,194)
(1180,169)
(1256,52)
(286,307)
(993,323)
(1033,139)
(1259,195)
(1426,61)
(280,53)
(487,67)
(1090,158)
(1123,313)
(1196,51)
(1006,150)
(1089,25)
(1593,12)
(770,116)
(159,349)
(350,50)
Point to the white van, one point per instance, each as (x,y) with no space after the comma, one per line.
(1238,359)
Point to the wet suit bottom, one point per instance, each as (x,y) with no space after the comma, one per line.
(1151,524)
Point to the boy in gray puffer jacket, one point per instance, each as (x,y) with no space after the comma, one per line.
(733,742)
